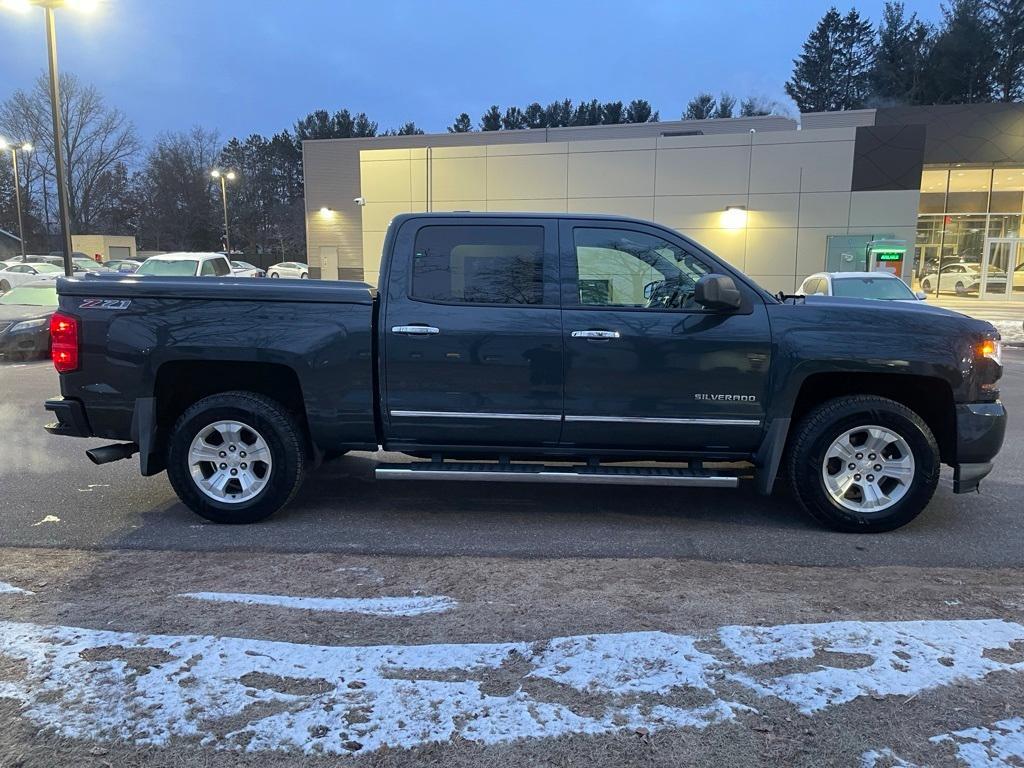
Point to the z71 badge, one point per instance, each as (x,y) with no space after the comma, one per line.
(105,304)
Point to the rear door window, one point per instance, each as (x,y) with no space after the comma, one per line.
(467,264)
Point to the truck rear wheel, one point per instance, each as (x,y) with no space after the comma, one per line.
(236,457)
(863,464)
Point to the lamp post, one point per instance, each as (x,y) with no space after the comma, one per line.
(26,147)
(224,176)
(49,7)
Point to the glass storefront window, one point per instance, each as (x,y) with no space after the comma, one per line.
(1004,225)
(968,190)
(933,191)
(1007,190)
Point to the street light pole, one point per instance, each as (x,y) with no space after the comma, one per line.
(224,200)
(26,147)
(58,140)
(224,177)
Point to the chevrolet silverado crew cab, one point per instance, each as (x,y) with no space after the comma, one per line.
(530,348)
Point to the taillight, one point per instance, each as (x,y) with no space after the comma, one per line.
(64,342)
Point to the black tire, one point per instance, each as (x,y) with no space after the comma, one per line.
(815,434)
(277,426)
(960,289)
(274,275)
(4,286)
(303,276)
(926,286)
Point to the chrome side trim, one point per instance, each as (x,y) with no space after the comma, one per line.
(471,415)
(556,477)
(651,420)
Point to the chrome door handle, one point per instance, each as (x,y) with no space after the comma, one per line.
(595,334)
(415,330)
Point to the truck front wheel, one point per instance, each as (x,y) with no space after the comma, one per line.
(863,464)
(236,457)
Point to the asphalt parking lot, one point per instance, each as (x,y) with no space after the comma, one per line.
(342,509)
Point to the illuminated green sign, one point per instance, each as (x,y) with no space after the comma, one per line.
(889,255)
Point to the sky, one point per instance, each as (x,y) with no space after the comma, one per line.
(255,66)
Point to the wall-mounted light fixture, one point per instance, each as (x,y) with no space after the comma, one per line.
(734,217)
(359,200)
(326,212)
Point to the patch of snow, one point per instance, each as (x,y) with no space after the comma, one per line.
(1011,331)
(10,589)
(372,606)
(47,519)
(905,657)
(1001,745)
(398,696)
(873,757)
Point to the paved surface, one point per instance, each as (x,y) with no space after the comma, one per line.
(342,509)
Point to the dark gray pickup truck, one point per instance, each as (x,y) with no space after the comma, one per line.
(530,348)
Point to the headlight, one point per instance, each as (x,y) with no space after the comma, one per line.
(26,325)
(992,349)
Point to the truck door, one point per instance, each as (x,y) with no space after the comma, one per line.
(471,333)
(646,367)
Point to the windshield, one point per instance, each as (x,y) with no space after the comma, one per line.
(32,295)
(183,268)
(242,265)
(868,287)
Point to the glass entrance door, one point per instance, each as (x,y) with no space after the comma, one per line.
(1002,269)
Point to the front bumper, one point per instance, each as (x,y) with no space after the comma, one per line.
(980,428)
(71,418)
(31,342)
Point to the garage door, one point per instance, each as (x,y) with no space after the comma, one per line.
(120,252)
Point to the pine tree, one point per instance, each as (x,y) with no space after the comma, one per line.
(757,106)
(899,56)
(559,113)
(587,113)
(962,62)
(612,113)
(462,124)
(513,119)
(1006,20)
(700,107)
(726,105)
(813,86)
(409,129)
(491,119)
(854,61)
(639,111)
(364,127)
(535,116)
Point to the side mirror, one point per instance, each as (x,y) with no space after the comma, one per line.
(921,295)
(717,292)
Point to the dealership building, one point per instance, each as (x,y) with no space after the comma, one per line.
(935,194)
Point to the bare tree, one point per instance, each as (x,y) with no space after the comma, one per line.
(99,141)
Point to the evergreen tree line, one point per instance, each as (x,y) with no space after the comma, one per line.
(974,54)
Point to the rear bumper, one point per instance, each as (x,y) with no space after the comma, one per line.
(980,428)
(71,420)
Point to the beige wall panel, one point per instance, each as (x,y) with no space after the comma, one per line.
(611,174)
(612,145)
(536,205)
(804,137)
(727,244)
(373,246)
(707,171)
(385,181)
(770,252)
(824,209)
(548,148)
(776,210)
(811,244)
(684,212)
(418,178)
(526,176)
(372,155)
(463,178)
(441,153)
(896,208)
(637,207)
(699,142)
(377,216)
(805,167)
(776,283)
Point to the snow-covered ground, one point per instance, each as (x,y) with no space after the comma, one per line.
(147,689)
(1000,745)
(10,589)
(370,606)
(1012,331)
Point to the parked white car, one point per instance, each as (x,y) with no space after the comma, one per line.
(289,269)
(245,269)
(859,285)
(184,264)
(963,277)
(19,273)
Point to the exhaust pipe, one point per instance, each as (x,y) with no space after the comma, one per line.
(113,452)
